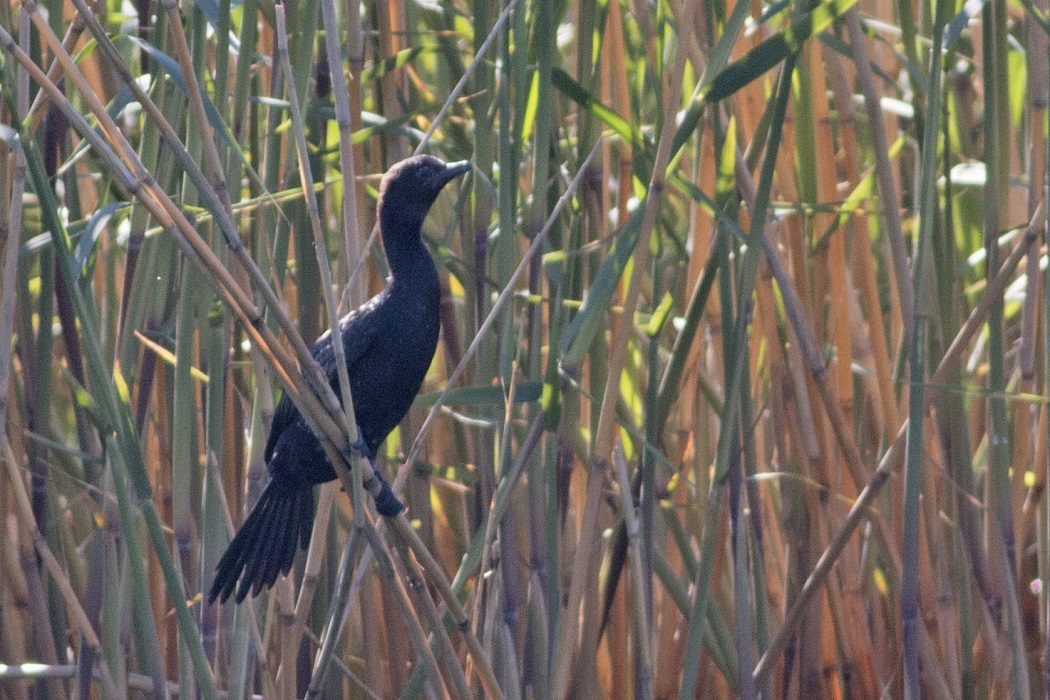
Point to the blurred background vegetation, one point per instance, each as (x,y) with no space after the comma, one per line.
(742,381)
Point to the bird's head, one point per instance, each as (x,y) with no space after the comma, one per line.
(410,187)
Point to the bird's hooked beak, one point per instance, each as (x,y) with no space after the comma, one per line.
(451,172)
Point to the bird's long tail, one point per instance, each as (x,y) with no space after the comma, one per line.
(265,546)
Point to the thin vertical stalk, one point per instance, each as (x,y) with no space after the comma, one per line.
(340,611)
(891,218)
(643,615)
(701,594)
(504,298)
(917,352)
(184,462)
(347,167)
(543,477)
(604,434)
(1043,222)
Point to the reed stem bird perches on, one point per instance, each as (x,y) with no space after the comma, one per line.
(388,342)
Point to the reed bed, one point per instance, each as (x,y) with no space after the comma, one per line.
(742,383)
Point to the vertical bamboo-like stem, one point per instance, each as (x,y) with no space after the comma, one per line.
(184,462)
(505,296)
(604,435)
(917,354)
(891,218)
(321,251)
(1043,220)
(347,167)
(213,170)
(999,525)
(643,626)
(341,609)
(319,540)
(11,211)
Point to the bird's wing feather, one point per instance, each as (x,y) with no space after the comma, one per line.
(357,337)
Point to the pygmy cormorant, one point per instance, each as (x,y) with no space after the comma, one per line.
(389,342)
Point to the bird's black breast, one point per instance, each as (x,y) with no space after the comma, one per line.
(385,380)
(389,343)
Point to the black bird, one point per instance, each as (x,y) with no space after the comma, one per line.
(389,342)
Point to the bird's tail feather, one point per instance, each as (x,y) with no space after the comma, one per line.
(265,546)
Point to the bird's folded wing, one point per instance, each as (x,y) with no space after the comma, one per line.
(357,338)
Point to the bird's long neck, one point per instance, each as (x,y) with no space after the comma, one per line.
(406,253)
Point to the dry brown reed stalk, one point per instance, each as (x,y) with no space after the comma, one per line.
(601,451)
(883,170)
(38,110)
(893,456)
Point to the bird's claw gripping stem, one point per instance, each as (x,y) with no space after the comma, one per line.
(387,504)
(360,446)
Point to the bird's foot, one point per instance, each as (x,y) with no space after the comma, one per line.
(360,446)
(387,503)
